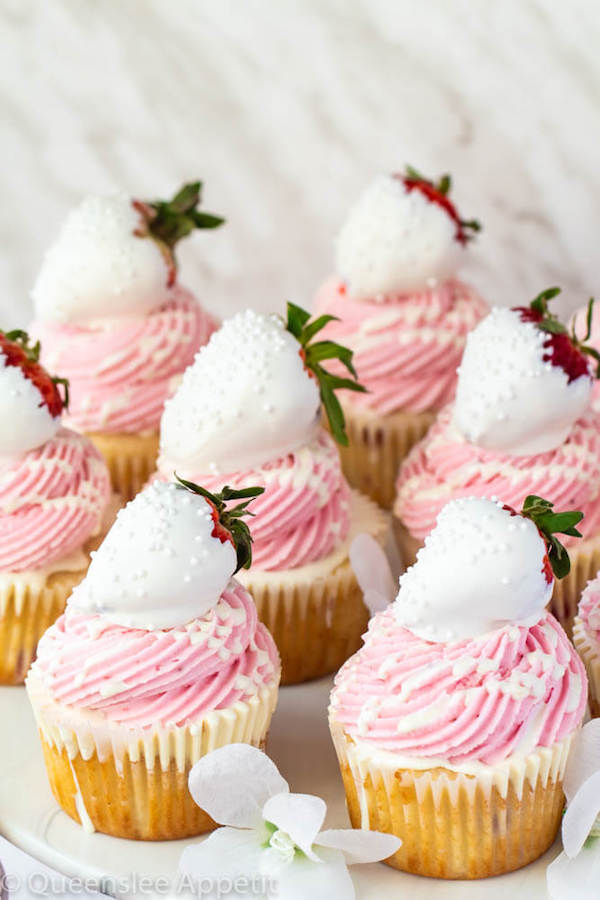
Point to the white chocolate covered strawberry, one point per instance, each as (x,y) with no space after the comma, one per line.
(404,234)
(114,256)
(253,394)
(168,557)
(524,380)
(484,566)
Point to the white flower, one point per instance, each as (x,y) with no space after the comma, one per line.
(575,874)
(373,573)
(271,834)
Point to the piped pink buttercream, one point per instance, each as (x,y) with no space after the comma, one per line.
(122,370)
(304,512)
(406,348)
(444,466)
(589,608)
(170,677)
(476,700)
(52,500)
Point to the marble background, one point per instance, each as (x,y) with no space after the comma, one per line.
(286,109)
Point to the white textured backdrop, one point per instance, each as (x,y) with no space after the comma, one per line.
(286,109)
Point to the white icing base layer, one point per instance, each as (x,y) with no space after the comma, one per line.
(88,732)
(543,764)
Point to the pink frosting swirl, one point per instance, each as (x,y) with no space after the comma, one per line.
(122,370)
(304,512)
(52,500)
(589,608)
(142,678)
(406,348)
(480,699)
(443,467)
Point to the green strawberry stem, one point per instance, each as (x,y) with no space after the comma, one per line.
(20,337)
(552,324)
(175,219)
(230,517)
(168,221)
(549,523)
(303,329)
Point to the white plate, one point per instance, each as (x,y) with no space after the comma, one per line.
(300,745)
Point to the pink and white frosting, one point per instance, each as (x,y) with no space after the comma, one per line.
(122,369)
(146,678)
(407,346)
(475,700)
(444,466)
(589,608)
(52,500)
(304,513)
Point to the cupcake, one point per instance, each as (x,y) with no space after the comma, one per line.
(586,637)
(158,659)
(113,318)
(521,424)
(401,309)
(247,412)
(54,498)
(453,723)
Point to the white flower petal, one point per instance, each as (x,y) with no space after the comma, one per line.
(580,815)
(373,573)
(307,880)
(575,879)
(299,815)
(359,846)
(584,758)
(226,853)
(233,783)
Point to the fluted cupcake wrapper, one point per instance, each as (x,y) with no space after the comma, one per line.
(27,609)
(133,784)
(315,614)
(455,825)
(377,446)
(589,650)
(131,459)
(585,563)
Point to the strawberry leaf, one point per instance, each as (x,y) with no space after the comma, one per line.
(550,524)
(296,320)
(303,329)
(540,304)
(230,517)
